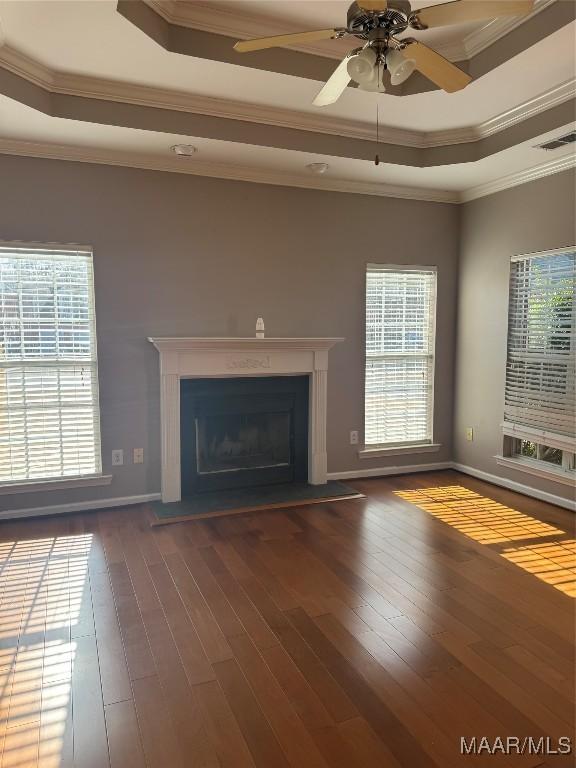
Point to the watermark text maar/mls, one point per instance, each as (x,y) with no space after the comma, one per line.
(515,745)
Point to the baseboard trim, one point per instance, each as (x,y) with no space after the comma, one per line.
(124,501)
(512,485)
(382,471)
(78,506)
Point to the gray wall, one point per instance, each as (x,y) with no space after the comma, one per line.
(184,255)
(532,217)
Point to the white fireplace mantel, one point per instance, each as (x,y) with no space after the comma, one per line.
(202,357)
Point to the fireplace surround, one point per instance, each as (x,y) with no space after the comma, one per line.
(204,357)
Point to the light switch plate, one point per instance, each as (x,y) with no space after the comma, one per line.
(469,434)
(138,456)
(117,457)
(354,437)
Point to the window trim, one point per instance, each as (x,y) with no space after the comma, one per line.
(54,484)
(373,450)
(73,481)
(536,468)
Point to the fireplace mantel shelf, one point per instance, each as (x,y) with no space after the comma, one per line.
(209,357)
(231,343)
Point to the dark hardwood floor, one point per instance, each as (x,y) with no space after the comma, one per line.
(371,633)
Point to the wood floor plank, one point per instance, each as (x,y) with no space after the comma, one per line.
(547,695)
(401,741)
(187,642)
(229,623)
(256,729)
(298,746)
(257,623)
(159,740)
(222,727)
(124,739)
(56,733)
(309,706)
(333,696)
(369,750)
(530,706)
(114,673)
(544,671)
(178,684)
(136,647)
(90,742)
(213,641)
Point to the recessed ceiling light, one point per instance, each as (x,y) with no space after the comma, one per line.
(186,150)
(318,168)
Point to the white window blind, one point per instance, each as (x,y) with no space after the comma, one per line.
(540,367)
(400,331)
(49,415)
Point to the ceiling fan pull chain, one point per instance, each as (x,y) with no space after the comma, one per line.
(377,159)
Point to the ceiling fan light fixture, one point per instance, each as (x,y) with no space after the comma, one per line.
(375,82)
(377,23)
(361,66)
(400,67)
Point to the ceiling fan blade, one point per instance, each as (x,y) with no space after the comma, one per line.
(435,67)
(462,11)
(281,40)
(335,85)
(372,5)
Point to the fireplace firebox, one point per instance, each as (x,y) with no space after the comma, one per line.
(242,432)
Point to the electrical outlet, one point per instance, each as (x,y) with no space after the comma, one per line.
(469,434)
(117,457)
(354,437)
(138,455)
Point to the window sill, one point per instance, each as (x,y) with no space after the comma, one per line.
(398,450)
(56,484)
(532,468)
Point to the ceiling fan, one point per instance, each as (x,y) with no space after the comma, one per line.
(377,22)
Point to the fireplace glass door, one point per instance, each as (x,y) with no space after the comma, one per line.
(242,432)
(232,442)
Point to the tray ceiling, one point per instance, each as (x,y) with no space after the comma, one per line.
(82,74)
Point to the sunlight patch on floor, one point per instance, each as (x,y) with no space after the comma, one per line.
(43,586)
(553,562)
(479,517)
(489,522)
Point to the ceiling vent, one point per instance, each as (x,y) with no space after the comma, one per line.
(561,141)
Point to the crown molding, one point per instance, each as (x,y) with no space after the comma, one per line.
(522,177)
(26,67)
(110,90)
(544,101)
(242,26)
(541,103)
(222,21)
(484,37)
(220,171)
(279,178)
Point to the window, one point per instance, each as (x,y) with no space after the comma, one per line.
(49,416)
(400,329)
(539,412)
